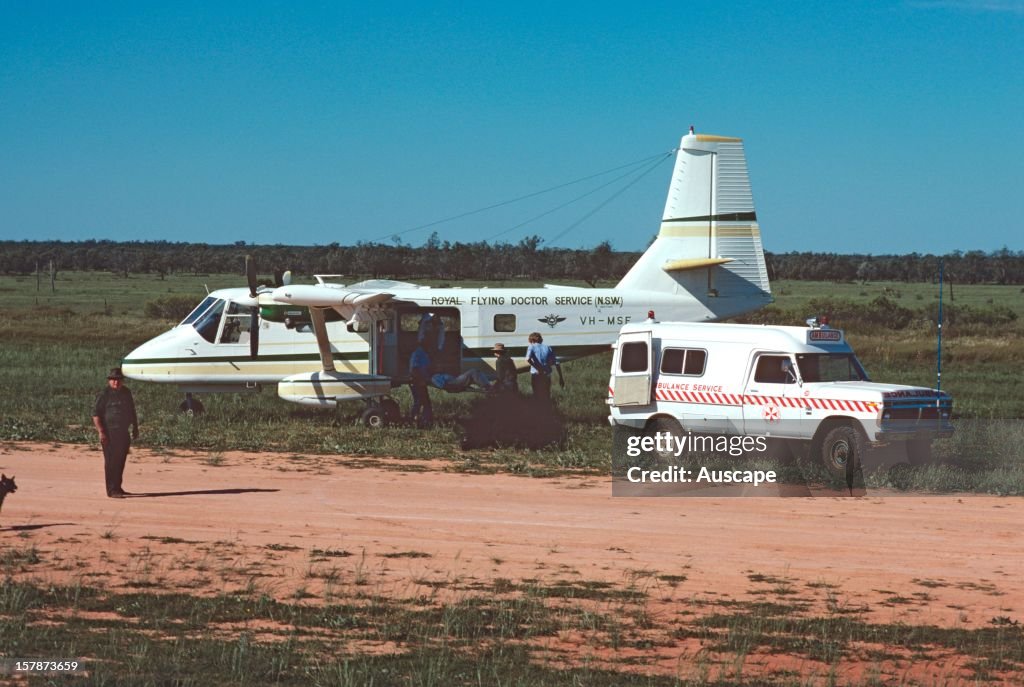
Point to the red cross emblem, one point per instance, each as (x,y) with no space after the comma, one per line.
(771,413)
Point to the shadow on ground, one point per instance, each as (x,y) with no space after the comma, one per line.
(512,420)
(158,494)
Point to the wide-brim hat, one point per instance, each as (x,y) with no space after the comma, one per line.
(498,348)
(115,373)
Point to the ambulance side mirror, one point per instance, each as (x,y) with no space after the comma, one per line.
(790,373)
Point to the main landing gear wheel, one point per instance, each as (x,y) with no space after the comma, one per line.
(373,417)
(381,413)
(191,406)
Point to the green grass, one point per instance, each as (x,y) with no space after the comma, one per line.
(500,636)
(797,295)
(57,347)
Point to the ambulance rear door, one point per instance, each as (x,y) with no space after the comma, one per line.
(632,370)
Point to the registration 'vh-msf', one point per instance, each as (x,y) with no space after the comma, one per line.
(328,342)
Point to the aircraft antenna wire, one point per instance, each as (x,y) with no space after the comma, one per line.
(469,213)
(584,195)
(608,200)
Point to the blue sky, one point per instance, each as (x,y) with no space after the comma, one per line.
(869,127)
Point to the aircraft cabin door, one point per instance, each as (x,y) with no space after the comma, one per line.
(384,354)
(438,329)
(631,379)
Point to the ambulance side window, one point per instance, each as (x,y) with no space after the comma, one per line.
(672,361)
(684,361)
(695,361)
(771,370)
(633,357)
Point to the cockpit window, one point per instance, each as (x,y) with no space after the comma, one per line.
(207,324)
(830,367)
(192,316)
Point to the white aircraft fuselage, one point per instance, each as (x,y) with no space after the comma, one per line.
(328,342)
(575,321)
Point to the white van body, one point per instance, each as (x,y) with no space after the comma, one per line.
(797,383)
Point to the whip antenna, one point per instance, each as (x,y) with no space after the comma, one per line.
(938,357)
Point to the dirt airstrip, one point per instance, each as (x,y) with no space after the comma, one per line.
(216,523)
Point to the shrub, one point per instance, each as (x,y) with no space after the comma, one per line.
(173,308)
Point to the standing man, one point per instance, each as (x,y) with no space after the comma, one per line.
(422,413)
(506,369)
(113,415)
(542,361)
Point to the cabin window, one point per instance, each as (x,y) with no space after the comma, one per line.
(417,320)
(684,361)
(774,369)
(504,323)
(633,357)
(210,320)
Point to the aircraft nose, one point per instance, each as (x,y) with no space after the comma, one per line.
(148,361)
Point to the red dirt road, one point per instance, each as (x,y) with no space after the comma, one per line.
(258,519)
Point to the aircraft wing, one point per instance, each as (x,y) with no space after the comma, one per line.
(345,301)
(352,304)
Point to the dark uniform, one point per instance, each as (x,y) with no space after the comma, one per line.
(115,409)
(419,373)
(506,369)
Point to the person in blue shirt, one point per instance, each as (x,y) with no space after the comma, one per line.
(431,333)
(542,360)
(422,413)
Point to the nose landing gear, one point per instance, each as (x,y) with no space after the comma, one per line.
(191,406)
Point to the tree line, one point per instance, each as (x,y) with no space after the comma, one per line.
(446,261)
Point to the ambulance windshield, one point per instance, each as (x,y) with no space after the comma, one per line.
(830,367)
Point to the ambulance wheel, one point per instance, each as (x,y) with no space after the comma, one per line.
(191,407)
(374,417)
(392,411)
(919,451)
(842,451)
(662,426)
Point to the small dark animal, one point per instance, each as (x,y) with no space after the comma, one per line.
(7,486)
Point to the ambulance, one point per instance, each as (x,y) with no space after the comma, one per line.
(801,385)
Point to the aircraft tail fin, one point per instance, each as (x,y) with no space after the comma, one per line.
(709,244)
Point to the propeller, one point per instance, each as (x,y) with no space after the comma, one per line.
(250,275)
(280,279)
(254,331)
(254,311)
